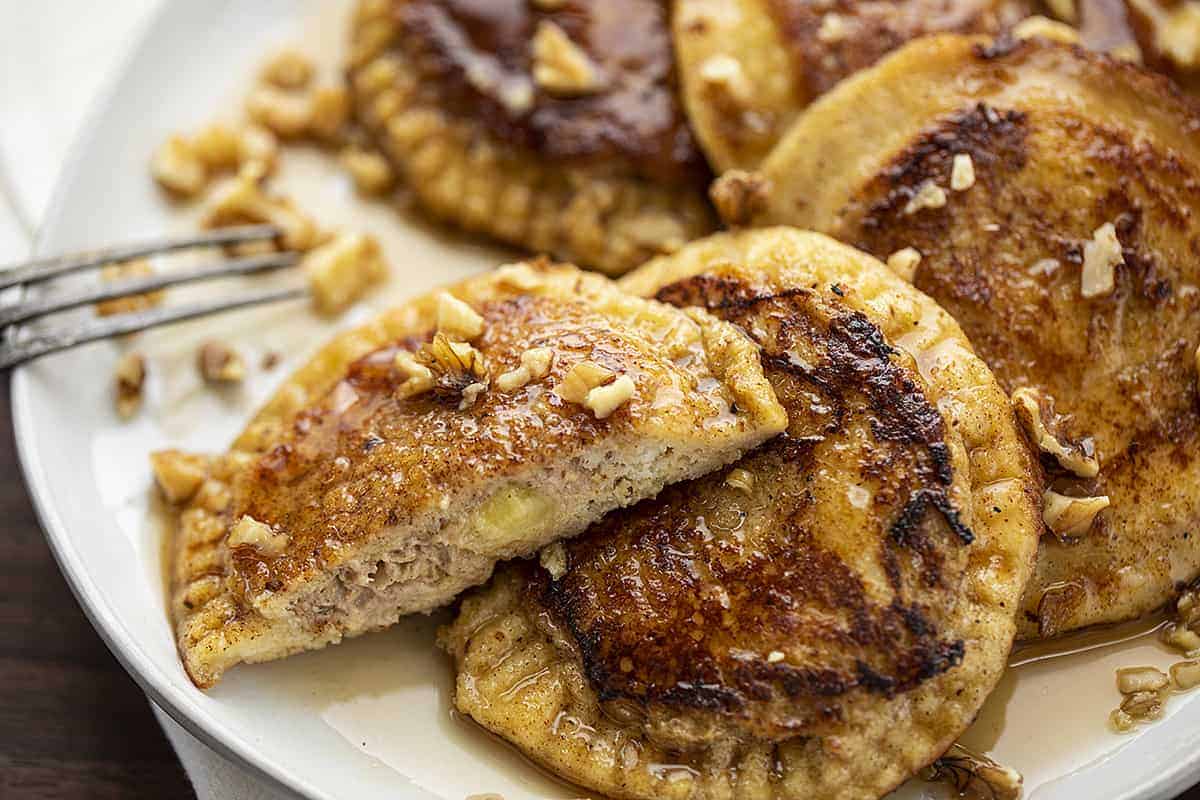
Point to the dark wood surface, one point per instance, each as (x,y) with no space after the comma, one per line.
(72,723)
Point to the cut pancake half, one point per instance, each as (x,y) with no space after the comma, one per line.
(555,127)
(411,454)
(821,620)
(1047,198)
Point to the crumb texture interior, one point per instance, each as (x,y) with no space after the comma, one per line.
(350,500)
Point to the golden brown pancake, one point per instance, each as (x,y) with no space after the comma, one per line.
(749,67)
(1083,169)
(399,465)
(553,126)
(818,622)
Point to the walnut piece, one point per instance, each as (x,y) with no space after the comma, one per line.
(741,479)
(739,196)
(245,202)
(604,400)
(130,377)
(218,363)
(962,172)
(1071,517)
(1101,256)
(582,378)
(340,272)
(1033,409)
(535,365)
(1185,675)
(329,111)
(284,113)
(519,276)
(904,263)
(178,474)
(1141,679)
(249,532)
(974,775)
(928,195)
(456,319)
(288,69)
(560,66)
(460,372)
(418,378)
(553,559)
(178,169)
(370,171)
(138,268)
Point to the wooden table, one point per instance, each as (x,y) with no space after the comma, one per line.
(72,723)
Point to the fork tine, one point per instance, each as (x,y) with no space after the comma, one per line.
(46,268)
(45,342)
(59,301)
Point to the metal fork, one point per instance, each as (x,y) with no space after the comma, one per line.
(21,344)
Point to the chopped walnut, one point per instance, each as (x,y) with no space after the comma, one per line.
(244,202)
(560,66)
(470,394)
(554,560)
(418,378)
(284,113)
(178,169)
(329,111)
(1141,679)
(371,172)
(1070,517)
(1101,256)
(775,656)
(519,276)
(1033,409)
(833,28)
(178,474)
(962,172)
(741,479)
(723,75)
(974,775)
(288,69)
(1041,27)
(340,272)
(928,195)
(535,364)
(249,532)
(1183,632)
(138,268)
(456,319)
(219,146)
(218,363)
(130,379)
(904,263)
(582,378)
(739,196)
(604,400)
(258,150)
(1185,675)
(456,368)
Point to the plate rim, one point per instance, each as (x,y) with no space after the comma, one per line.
(225,742)
(116,637)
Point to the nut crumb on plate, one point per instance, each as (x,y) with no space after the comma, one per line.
(130,380)
(218,363)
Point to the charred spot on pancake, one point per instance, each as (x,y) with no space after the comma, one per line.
(691,601)
(478,58)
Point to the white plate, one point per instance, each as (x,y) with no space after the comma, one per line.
(371,718)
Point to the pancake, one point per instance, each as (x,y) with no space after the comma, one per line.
(749,67)
(410,455)
(820,621)
(1071,259)
(552,126)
